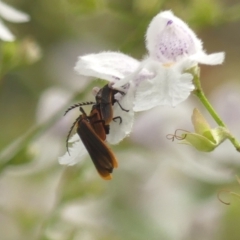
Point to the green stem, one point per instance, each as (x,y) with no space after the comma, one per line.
(201,96)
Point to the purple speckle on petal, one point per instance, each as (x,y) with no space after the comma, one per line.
(174,43)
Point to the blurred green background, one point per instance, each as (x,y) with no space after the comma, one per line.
(161,190)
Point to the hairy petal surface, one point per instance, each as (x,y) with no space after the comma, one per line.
(110,66)
(76,154)
(169,87)
(169,39)
(209,59)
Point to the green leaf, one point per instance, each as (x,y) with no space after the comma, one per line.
(200,142)
(204,139)
(199,122)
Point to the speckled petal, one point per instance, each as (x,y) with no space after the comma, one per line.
(169,39)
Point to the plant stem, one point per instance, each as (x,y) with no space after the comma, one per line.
(201,96)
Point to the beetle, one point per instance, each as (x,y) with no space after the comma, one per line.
(105,100)
(104,103)
(91,130)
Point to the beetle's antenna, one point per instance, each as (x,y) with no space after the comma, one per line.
(70,131)
(78,105)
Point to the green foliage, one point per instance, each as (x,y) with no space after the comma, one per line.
(44,56)
(86,6)
(204,138)
(18,54)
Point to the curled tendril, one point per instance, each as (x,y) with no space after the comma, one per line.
(176,136)
(218,196)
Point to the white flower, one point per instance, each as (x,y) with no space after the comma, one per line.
(12,15)
(113,67)
(106,66)
(160,79)
(173,48)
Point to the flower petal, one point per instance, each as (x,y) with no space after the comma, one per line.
(141,73)
(211,59)
(76,153)
(12,15)
(110,66)
(5,34)
(169,39)
(169,87)
(118,130)
(74,138)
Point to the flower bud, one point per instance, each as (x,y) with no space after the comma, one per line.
(204,139)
